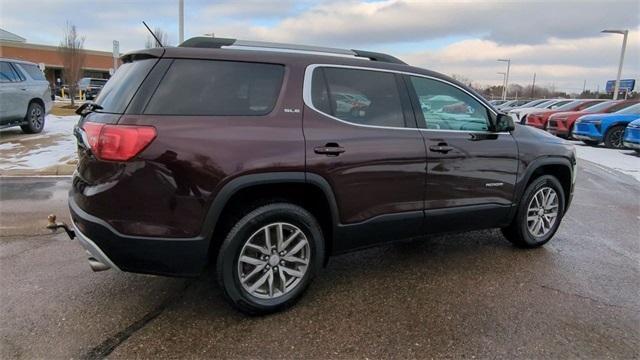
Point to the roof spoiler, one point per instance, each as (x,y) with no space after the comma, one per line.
(217,43)
(142,54)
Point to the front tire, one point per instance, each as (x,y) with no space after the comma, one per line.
(613,137)
(34,119)
(269,258)
(539,213)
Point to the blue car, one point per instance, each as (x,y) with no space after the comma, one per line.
(632,136)
(595,128)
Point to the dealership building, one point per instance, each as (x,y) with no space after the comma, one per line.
(97,64)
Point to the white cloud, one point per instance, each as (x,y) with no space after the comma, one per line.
(564,62)
(557,39)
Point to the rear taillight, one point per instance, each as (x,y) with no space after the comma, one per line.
(117,142)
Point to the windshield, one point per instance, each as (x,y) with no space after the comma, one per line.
(635,109)
(599,107)
(560,105)
(533,103)
(545,103)
(119,90)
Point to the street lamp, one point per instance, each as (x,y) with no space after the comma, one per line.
(504,77)
(625,33)
(506,80)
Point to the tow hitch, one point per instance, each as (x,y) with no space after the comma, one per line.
(53,226)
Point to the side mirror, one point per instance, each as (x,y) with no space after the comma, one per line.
(504,122)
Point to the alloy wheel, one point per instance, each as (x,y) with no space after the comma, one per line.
(542,212)
(36,117)
(616,138)
(274,260)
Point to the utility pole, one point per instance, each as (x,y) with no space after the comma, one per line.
(180,21)
(584,86)
(533,87)
(625,33)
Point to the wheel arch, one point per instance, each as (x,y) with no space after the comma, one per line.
(309,190)
(35,100)
(559,167)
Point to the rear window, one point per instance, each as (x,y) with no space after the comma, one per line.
(217,88)
(34,72)
(119,90)
(98,82)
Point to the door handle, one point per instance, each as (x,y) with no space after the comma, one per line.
(330,149)
(441,148)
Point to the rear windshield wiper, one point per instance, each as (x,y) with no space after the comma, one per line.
(88,107)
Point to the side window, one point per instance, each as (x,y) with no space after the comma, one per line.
(363,97)
(8,73)
(446,107)
(33,71)
(217,88)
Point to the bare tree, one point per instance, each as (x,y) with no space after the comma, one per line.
(161,35)
(73,56)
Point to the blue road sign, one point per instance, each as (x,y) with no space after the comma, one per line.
(625,85)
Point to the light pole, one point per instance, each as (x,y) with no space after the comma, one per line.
(625,33)
(506,80)
(180,21)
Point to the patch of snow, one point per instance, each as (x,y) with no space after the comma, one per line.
(54,145)
(623,160)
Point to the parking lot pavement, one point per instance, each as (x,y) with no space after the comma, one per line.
(626,161)
(463,295)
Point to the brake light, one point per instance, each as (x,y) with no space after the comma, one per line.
(118,142)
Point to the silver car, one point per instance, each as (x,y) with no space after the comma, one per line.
(25,95)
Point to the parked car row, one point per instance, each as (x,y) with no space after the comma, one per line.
(593,121)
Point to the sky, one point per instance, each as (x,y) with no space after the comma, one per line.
(558,40)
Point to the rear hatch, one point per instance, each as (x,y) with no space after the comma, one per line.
(97,131)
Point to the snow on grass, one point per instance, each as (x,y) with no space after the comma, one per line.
(55,145)
(625,161)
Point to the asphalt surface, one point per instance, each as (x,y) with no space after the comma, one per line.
(465,295)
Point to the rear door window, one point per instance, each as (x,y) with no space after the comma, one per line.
(217,88)
(364,97)
(8,73)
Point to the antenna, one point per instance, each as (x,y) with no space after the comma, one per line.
(152,34)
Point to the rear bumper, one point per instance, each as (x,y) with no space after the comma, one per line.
(148,255)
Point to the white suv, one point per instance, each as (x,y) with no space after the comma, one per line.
(25,95)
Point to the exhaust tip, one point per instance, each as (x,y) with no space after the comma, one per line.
(96,265)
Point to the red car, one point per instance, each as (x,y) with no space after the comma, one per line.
(561,124)
(540,119)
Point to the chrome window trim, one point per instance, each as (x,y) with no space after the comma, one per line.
(307,99)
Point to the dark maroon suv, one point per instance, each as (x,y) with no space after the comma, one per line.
(265,163)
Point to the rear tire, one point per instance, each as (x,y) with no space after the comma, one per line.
(591,142)
(613,137)
(269,258)
(34,118)
(532,227)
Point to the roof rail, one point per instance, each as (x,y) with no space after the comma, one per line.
(217,43)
